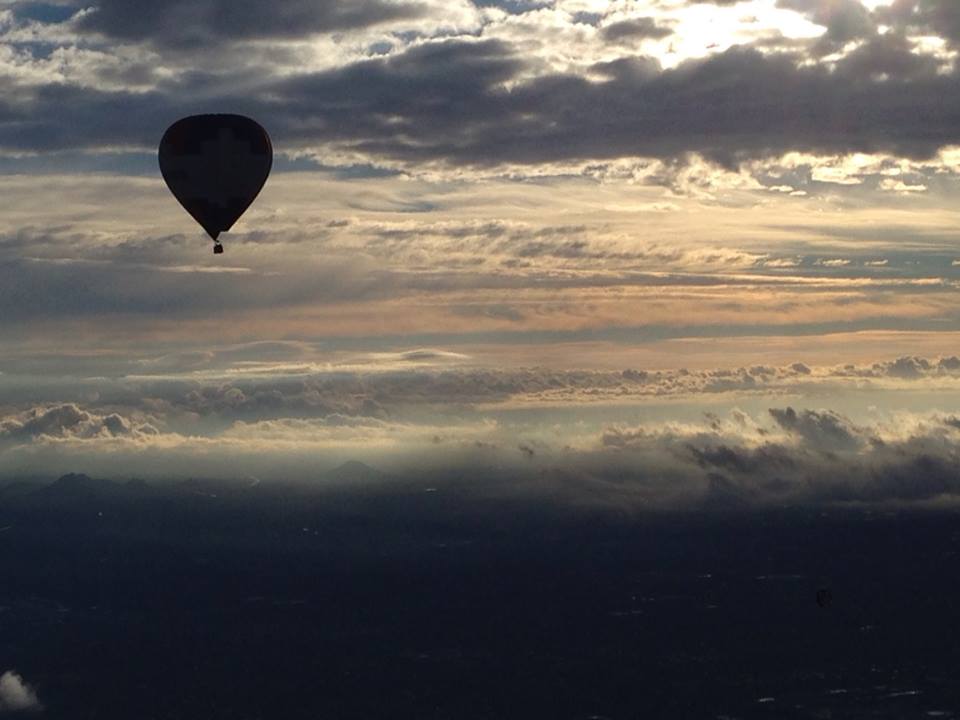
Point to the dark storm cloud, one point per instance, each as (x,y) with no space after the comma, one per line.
(924,17)
(908,367)
(844,20)
(447,101)
(439,94)
(889,55)
(188,23)
(98,118)
(737,104)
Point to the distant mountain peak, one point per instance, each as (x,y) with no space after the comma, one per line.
(76,480)
(355,471)
(79,485)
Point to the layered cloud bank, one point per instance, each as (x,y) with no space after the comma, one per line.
(632,438)
(492,83)
(782,457)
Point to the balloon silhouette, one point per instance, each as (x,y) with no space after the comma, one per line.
(215,165)
(824,597)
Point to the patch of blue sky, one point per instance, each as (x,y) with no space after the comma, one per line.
(380,48)
(514,7)
(44,12)
(283,163)
(38,49)
(867,264)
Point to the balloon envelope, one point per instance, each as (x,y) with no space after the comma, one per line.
(215,165)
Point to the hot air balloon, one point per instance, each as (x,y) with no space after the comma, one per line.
(215,165)
(824,597)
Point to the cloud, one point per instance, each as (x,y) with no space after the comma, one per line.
(749,105)
(219,387)
(427,354)
(807,457)
(16,695)
(183,23)
(467,102)
(480,89)
(389,385)
(362,280)
(925,17)
(69,421)
(910,367)
(160,276)
(786,455)
(845,20)
(823,429)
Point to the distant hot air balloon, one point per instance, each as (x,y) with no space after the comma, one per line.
(824,597)
(215,165)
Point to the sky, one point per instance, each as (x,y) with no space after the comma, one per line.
(641,253)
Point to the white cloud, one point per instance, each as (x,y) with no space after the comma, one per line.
(16,695)
(898,186)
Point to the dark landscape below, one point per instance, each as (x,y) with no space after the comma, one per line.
(402,599)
